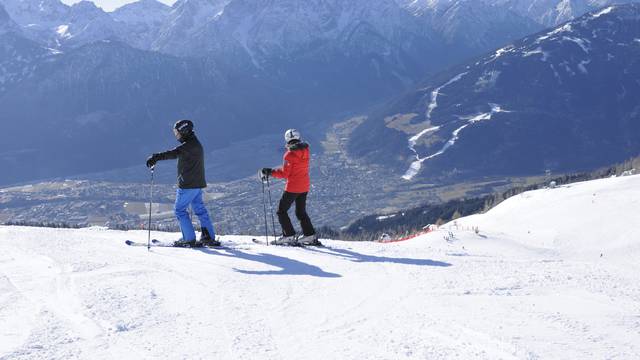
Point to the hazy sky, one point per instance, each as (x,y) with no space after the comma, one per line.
(110,5)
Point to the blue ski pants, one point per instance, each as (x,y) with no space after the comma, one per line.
(193,197)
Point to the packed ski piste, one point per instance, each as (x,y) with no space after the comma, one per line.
(547,274)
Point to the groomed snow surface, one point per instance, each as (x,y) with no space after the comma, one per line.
(552,274)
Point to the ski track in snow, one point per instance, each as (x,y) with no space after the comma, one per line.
(433,104)
(415,167)
(603,12)
(534,283)
(567,28)
(582,43)
(435,93)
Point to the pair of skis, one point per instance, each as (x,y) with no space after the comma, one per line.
(158,243)
(296,244)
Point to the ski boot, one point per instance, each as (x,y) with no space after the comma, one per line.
(285,241)
(186,243)
(309,240)
(207,240)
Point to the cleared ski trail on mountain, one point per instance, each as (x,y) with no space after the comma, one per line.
(552,274)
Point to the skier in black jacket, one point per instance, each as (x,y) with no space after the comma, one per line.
(191,181)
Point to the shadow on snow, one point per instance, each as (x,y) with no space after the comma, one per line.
(358,257)
(287,266)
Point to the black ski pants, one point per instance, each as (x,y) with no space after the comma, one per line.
(301,213)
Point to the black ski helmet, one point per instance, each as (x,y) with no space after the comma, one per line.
(184,127)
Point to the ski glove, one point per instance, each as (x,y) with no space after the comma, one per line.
(266,171)
(152,160)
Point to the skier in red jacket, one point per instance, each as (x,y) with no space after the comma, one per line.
(295,170)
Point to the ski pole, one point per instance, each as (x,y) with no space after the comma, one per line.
(273,220)
(150,206)
(264,206)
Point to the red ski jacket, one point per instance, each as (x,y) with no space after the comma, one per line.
(295,168)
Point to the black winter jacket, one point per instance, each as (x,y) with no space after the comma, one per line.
(190,157)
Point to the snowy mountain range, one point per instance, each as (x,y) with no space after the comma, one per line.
(545,12)
(279,29)
(18,56)
(143,21)
(6,23)
(267,29)
(92,75)
(552,273)
(186,21)
(480,25)
(56,25)
(555,12)
(97,78)
(259,27)
(562,100)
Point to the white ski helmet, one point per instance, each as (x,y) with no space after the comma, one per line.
(291,134)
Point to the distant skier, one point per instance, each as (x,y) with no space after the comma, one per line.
(191,181)
(295,170)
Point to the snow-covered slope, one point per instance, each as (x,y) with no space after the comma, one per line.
(552,274)
(582,220)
